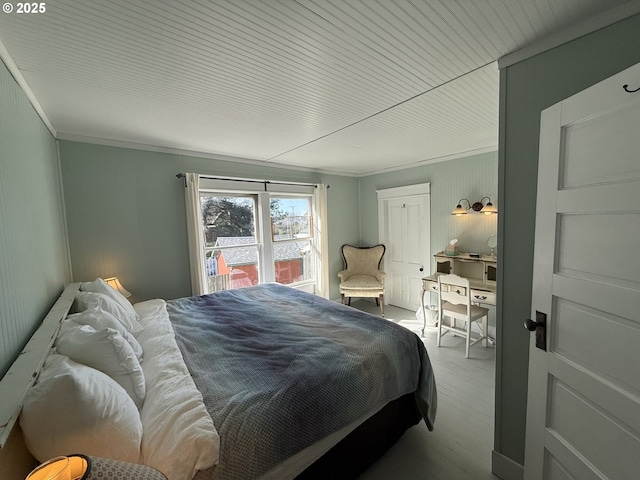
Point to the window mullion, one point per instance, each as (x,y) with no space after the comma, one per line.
(265,252)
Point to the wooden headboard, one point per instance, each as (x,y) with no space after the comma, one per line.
(15,459)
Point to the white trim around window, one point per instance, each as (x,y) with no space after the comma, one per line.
(262,191)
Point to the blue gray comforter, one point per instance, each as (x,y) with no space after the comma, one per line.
(280,369)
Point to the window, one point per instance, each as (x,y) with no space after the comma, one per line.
(251,232)
(230,244)
(291,233)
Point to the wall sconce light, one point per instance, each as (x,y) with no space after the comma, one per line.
(486,208)
(114,283)
(459,210)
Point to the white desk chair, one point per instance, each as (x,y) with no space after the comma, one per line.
(454,303)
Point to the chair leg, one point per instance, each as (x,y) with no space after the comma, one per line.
(468,339)
(441,319)
(485,326)
(342,298)
(349,301)
(381,303)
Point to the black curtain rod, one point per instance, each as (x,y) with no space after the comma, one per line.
(264,182)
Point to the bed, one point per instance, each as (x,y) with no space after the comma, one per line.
(271,383)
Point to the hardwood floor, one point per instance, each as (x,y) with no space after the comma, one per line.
(459,448)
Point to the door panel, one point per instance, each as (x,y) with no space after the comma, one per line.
(415,233)
(589,430)
(395,287)
(583,410)
(589,142)
(582,335)
(555,471)
(415,252)
(414,292)
(397,234)
(582,238)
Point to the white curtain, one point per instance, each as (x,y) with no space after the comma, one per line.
(320,240)
(194,234)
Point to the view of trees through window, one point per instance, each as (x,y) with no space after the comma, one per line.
(227,217)
(231,245)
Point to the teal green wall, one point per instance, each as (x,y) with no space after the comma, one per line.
(470,177)
(33,249)
(527,88)
(126,214)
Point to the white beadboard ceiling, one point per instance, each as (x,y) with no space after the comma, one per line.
(344,86)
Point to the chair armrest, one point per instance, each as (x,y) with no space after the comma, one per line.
(344,275)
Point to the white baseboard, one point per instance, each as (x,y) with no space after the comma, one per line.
(505,468)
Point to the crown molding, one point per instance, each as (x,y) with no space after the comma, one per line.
(429,161)
(193,153)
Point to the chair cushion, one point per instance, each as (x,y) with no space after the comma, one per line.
(361,282)
(461,310)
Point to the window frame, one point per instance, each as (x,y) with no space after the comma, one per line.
(263,191)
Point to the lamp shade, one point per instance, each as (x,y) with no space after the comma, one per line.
(114,283)
(489,209)
(460,210)
(58,468)
(82,467)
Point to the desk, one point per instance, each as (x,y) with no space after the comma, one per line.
(481,273)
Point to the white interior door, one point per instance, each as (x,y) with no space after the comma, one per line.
(583,411)
(405,233)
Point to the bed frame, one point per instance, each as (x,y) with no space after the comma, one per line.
(347,459)
(350,457)
(15,460)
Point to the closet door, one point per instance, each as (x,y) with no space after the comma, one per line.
(404,229)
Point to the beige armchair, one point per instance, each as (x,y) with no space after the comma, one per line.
(362,276)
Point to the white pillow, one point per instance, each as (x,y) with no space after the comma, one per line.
(175,421)
(75,408)
(105,350)
(99,319)
(100,286)
(91,300)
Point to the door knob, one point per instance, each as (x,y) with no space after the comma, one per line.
(531,325)
(539,325)
(422,269)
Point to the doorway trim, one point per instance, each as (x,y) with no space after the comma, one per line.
(406,191)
